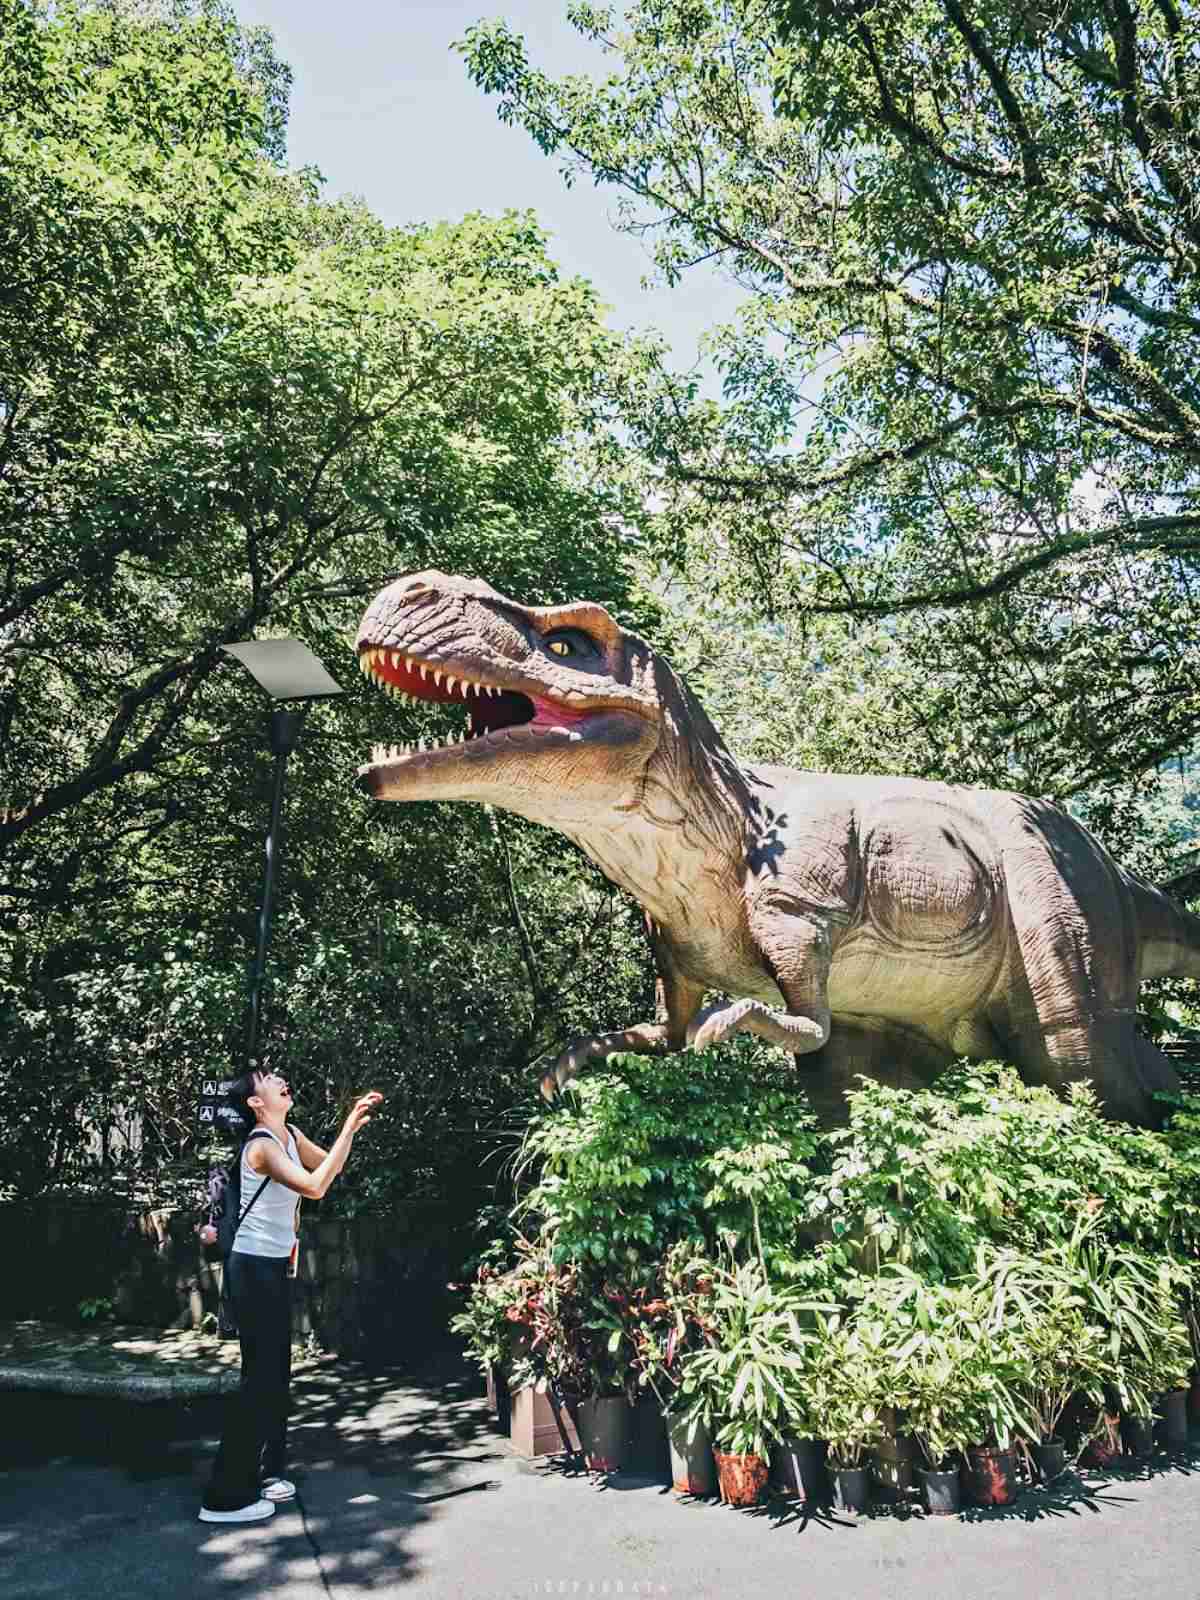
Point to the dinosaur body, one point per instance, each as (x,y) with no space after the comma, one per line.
(867,924)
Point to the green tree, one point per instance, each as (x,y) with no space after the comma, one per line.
(962,393)
(229,407)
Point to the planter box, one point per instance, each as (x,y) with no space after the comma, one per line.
(533,1430)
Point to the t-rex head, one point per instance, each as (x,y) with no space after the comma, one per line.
(564,709)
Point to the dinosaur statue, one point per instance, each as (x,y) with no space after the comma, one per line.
(875,925)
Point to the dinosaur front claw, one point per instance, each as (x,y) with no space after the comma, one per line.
(716,1023)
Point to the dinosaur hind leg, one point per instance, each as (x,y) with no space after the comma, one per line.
(1074,1002)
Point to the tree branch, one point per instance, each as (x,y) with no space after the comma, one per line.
(1148,533)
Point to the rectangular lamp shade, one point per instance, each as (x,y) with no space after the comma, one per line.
(285,668)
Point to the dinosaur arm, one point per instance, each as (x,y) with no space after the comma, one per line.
(798,951)
(800,1034)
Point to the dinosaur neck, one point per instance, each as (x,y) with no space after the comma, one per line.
(677,840)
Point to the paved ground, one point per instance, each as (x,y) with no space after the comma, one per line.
(406,1488)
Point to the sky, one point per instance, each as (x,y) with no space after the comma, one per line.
(383,106)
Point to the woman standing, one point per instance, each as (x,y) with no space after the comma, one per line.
(279,1167)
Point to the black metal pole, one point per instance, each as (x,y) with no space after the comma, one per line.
(284,733)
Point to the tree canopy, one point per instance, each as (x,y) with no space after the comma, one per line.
(230,407)
(962,395)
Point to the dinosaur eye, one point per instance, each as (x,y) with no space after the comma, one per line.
(572,644)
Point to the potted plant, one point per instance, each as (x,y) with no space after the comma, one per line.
(558,1349)
(734,1383)
(1039,1307)
(847,1387)
(637,1321)
(487,1324)
(934,1381)
(666,1328)
(1154,1368)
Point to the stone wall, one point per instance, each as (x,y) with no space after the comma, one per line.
(370,1288)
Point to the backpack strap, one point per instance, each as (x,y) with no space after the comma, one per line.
(258,1133)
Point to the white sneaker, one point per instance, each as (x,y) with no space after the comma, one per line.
(259,1511)
(279,1489)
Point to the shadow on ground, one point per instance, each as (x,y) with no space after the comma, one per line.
(98,1494)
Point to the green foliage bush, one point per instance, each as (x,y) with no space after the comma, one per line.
(648,1154)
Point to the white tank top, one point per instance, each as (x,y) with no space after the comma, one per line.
(270,1227)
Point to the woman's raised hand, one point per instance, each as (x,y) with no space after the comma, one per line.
(361,1111)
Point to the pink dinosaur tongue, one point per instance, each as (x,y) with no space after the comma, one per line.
(513,710)
(549,714)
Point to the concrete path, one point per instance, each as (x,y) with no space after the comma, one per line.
(406,1489)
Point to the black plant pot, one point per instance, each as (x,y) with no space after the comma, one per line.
(649,1453)
(1137,1435)
(942,1492)
(1173,1429)
(798,1468)
(851,1489)
(1050,1458)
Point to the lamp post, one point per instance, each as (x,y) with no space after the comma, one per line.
(289,673)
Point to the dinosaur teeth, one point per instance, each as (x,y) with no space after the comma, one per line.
(424,669)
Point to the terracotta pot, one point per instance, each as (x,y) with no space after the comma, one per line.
(604,1432)
(1175,1419)
(693,1470)
(798,1468)
(851,1489)
(1050,1458)
(942,1492)
(992,1474)
(1137,1435)
(742,1478)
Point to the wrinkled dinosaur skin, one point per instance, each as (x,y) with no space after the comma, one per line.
(879,925)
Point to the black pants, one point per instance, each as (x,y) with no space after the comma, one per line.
(254,1444)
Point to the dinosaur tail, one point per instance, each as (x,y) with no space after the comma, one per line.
(1168,936)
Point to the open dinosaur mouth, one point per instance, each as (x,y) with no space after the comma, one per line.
(492,712)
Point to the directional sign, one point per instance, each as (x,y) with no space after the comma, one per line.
(213,1095)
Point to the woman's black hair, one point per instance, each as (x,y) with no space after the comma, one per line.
(235,1113)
